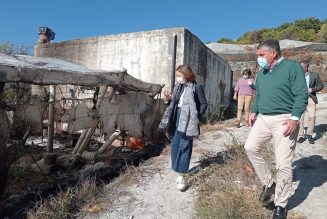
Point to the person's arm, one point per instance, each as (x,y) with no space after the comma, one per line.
(167,97)
(235,95)
(299,90)
(318,85)
(236,89)
(251,84)
(202,100)
(255,106)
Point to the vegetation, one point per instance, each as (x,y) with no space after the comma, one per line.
(227,187)
(308,29)
(10,49)
(68,203)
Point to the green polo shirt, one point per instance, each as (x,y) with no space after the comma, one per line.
(282,90)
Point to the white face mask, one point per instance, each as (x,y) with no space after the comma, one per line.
(262,62)
(180,80)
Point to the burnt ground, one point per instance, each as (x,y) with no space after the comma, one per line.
(26,185)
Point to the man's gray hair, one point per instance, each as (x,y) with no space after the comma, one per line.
(270,44)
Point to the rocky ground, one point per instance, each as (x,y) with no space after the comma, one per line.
(152,192)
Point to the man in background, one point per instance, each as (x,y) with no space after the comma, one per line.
(314,85)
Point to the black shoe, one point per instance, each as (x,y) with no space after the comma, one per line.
(301,140)
(310,139)
(267,195)
(279,213)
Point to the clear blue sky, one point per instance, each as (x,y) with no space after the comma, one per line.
(208,19)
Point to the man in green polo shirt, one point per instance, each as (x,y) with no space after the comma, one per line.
(281,98)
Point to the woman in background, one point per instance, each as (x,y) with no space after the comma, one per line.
(243,93)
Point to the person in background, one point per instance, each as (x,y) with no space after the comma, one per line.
(281,98)
(186,105)
(243,93)
(314,85)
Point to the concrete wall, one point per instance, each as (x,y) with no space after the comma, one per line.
(210,69)
(147,56)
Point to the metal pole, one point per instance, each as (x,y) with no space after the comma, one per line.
(173,68)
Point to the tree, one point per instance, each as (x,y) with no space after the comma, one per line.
(303,29)
(272,34)
(307,35)
(308,23)
(225,40)
(291,33)
(283,26)
(322,35)
(244,39)
(11,49)
(256,36)
(7,48)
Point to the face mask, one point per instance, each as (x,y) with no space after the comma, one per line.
(245,76)
(262,62)
(180,80)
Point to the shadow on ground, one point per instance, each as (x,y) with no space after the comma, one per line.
(310,172)
(219,158)
(321,129)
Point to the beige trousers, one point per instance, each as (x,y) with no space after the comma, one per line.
(265,128)
(243,102)
(310,113)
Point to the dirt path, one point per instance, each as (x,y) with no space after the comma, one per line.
(152,194)
(310,170)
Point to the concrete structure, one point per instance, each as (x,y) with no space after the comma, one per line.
(243,52)
(148,56)
(243,56)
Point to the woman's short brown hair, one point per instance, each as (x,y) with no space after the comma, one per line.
(187,71)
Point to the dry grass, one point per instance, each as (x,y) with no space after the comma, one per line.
(216,126)
(86,197)
(207,127)
(66,203)
(228,188)
(295,215)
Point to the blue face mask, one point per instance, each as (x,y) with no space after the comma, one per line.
(262,62)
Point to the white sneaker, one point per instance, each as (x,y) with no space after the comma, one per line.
(179,179)
(181,185)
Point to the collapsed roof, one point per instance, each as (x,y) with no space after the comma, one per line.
(51,71)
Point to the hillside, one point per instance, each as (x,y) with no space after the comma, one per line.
(308,29)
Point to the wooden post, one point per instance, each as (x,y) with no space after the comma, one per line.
(80,140)
(113,137)
(50,157)
(90,131)
(173,65)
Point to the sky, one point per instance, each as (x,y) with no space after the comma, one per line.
(209,20)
